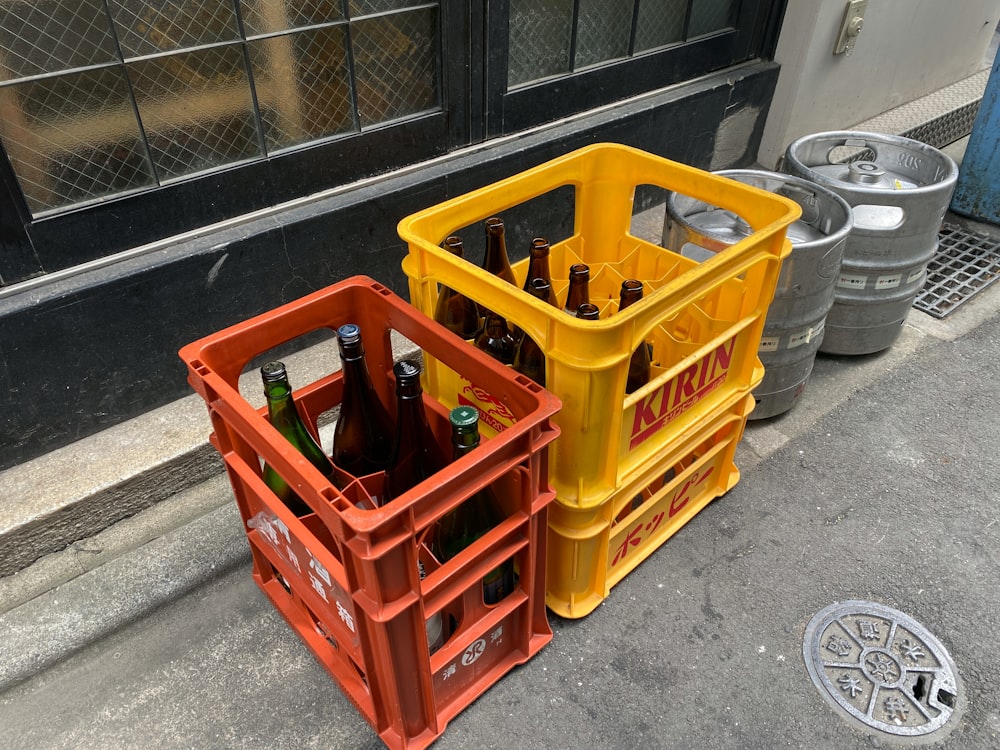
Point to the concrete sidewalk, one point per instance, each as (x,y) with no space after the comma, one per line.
(881,484)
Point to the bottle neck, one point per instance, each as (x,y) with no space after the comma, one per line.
(464,441)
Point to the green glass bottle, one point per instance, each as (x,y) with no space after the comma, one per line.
(415,453)
(454,310)
(639,364)
(284,415)
(479,513)
(362,439)
(529,359)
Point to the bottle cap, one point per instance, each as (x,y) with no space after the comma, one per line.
(272,372)
(406,369)
(464,416)
(349,333)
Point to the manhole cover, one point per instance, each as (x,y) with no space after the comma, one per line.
(881,667)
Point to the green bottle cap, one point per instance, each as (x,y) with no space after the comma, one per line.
(464,416)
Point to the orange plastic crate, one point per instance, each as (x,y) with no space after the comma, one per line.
(593,549)
(346,579)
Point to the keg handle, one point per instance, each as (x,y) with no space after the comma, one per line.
(865,151)
(806,199)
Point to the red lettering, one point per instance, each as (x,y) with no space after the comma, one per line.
(684,387)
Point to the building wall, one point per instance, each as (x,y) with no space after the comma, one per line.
(906,49)
(88,350)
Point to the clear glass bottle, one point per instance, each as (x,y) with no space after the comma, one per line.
(478,514)
(454,310)
(284,415)
(362,439)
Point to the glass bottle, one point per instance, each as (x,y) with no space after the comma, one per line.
(639,364)
(454,310)
(284,415)
(362,439)
(479,513)
(529,359)
(496,339)
(496,260)
(579,287)
(587,311)
(538,268)
(415,453)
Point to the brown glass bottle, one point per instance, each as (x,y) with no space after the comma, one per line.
(639,364)
(362,439)
(284,415)
(579,287)
(538,268)
(529,359)
(587,311)
(496,261)
(496,339)
(415,453)
(454,310)
(476,515)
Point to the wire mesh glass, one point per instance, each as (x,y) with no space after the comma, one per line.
(47,36)
(145,27)
(103,97)
(709,15)
(268,16)
(395,64)
(73,138)
(603,31)
(196,110)
(303,86)
(541,32)
(659,23)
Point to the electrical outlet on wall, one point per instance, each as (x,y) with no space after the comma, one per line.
(850,27)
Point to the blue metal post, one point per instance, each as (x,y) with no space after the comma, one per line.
(977,192)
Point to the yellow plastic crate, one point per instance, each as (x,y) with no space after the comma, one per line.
(590,550)
(704,320)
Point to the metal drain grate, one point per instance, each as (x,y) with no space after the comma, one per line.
(965,263)
(881,667)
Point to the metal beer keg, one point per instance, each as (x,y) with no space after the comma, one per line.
(899,190)
(793,328)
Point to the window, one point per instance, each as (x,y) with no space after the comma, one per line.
(126,121)
(107,97)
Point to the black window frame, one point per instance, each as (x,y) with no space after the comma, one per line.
(475,106)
